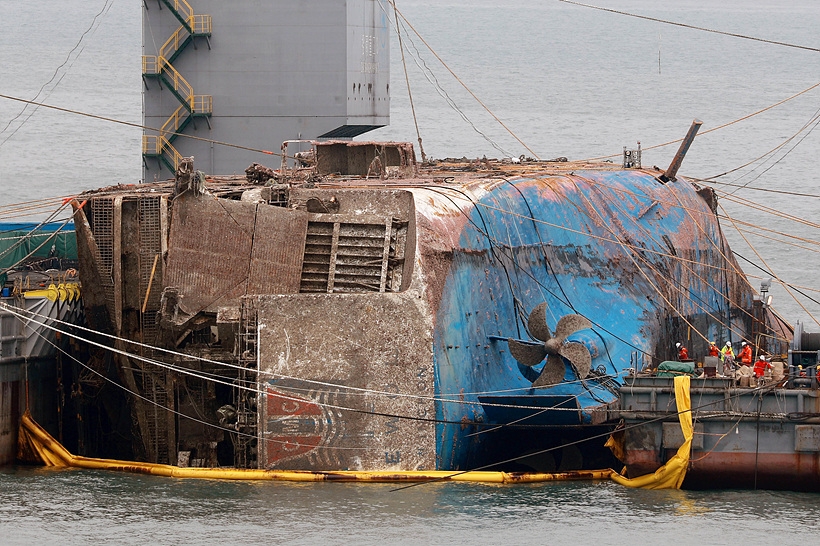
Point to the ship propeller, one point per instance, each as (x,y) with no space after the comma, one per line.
(554,347)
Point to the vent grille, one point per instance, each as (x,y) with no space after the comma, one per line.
(343,257)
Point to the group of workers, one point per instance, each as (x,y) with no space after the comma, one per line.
(727,355)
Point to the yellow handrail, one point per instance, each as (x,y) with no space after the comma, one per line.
(159,64)
(202,104)
(150,145)
(157,145)
(200,24)
(171,45)
(184,9)
(179,83)
(150,64)
(176,157)
(174,121)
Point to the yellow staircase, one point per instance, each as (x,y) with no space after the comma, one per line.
(161,68)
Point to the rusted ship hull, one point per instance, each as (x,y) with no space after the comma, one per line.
(358,312)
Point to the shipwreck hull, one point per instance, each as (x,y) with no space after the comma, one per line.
(644,261)
(341,371)
(358,322)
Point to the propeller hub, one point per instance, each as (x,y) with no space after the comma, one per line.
(552,345)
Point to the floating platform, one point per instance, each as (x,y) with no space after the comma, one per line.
(762,437)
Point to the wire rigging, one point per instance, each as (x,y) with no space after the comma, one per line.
(91,29)
(431,78)
(693,27)
(145,127)
(46,322)
(464,85)
(407,80)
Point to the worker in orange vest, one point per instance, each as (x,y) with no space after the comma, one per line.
(683,353)
(713,350)
(745,354)
(761,366)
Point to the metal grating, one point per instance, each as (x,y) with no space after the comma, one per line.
(102,211)
(102,214)
(345,257)
(150,232)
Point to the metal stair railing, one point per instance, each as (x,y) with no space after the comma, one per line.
(150,66)
(201,25)
(151,145)
(181,9)
(198,25)
(180,87)
(202,105)
(161,66)
(175,123)
(158,146)
(175,43)
(175,155)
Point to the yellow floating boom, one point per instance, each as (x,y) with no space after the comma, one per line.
(37,445)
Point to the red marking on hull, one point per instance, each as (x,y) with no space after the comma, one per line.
(293,426)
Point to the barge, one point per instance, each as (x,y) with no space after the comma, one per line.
(39,289)
(763,435)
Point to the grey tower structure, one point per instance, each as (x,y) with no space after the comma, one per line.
(253,74)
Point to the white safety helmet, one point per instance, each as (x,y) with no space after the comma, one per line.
(728,343)
(677,345)
(743,344)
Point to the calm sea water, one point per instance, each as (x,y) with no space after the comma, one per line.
(83,507)
(569,81)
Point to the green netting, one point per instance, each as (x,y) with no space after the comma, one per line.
(17,244)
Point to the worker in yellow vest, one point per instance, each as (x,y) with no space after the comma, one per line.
(727,355)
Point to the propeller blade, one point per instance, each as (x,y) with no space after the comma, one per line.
(569,324)
(578,355)
(553,372)
(537,322)
(528,354)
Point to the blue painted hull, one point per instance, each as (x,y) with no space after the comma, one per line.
(645,262)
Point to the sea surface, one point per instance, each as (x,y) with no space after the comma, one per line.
(567,81)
